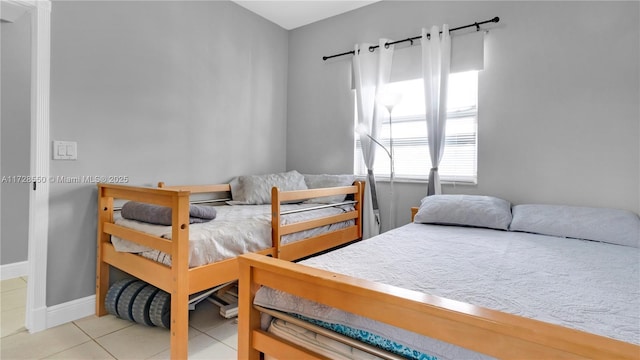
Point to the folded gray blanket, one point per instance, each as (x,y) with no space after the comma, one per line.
(161,215)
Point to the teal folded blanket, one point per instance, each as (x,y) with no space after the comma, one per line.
(161,215)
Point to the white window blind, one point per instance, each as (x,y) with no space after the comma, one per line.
(410,142)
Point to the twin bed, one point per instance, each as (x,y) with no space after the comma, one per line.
(268,214)
(471,277)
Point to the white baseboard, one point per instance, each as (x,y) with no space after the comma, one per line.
(71,311)
(11,271)
(52,315)
(38,320)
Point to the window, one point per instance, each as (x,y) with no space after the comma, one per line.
(409,129)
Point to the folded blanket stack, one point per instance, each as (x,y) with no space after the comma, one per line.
(161,215)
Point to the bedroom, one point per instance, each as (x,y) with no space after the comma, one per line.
(165,80)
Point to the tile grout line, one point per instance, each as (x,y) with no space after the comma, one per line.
(63,350)
(105,334)
(95,339)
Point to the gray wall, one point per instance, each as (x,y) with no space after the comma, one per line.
(14,145)
(558,99)
(181,92)
(197,92)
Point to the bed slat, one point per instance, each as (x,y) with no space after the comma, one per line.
(138,237)
(152,272)
(310,224)
(293,195)
(299,249)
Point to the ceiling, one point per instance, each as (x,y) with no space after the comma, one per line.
(10,12)
(291,14)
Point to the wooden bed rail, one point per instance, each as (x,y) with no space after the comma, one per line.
(279,197)
(479,329)
(197,189)
(162,197)
(285,196)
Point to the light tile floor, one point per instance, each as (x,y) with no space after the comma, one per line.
(210,335)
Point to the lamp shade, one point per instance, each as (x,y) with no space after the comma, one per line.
(388,99)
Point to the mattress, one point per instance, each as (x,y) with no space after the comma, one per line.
(236,230)
(318,343)
(585,285)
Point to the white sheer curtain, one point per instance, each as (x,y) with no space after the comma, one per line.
(436,62)
(371,71)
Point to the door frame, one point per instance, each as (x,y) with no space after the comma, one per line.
(36,308)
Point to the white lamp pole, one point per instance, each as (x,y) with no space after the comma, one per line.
(389,100)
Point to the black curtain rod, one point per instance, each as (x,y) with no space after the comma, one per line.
(386,45)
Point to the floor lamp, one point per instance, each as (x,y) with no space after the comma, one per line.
(389,101)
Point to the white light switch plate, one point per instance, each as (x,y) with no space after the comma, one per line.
(65,150)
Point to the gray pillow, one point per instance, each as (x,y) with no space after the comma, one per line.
(466,210)
(256,189)
(325,181)
(600,224)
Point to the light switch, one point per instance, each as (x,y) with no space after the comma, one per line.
(71,151)
(65,150)
(62,150)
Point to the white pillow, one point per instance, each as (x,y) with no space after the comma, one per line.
(600,224)
(256,189)
(465,210)
(326,181)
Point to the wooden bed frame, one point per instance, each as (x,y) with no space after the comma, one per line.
(479,329)
(181,281)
